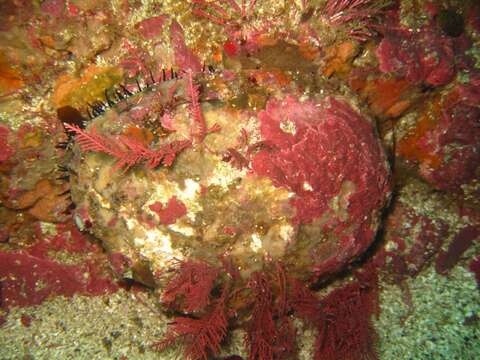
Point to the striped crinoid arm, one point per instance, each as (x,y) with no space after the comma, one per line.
(225,13)
(357,15)
(199,127)
(343,11)
(336,7)
(211,11)
(196,112)
(247,10)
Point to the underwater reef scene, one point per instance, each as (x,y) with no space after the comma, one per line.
(240,179)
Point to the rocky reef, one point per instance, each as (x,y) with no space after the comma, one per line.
(239,179)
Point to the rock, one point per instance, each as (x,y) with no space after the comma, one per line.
(45,202)
(299,182)
(151,27)
(420,57)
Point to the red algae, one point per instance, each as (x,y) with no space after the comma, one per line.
(270,333)
(261,331)
(456,136)
(417,240)
(475,268)
(343,317)
(446,260)
(30,276)
(171,212)
(184,57)
(347,332)
(151,27)
(54,8)
(287,165)
(420,57)
(22,287)
(316,154)
(7,151)
(445,140)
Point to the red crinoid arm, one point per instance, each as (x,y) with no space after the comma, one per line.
(236,159)
(201,336)
(195,110)
(261,331)
(167,153)
(345,326)
(210,11)
(206,15)
(362,12)
(200,130)
(303,302)
(135,154)
(233,4)
(138,152)
(131,152)
(90,142)
(193,283)
(171,91)
(251,7)
(215,7)
(335,7)
(93,141)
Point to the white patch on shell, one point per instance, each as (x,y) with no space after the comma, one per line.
(164,191)
(160,242)
(189,196)
(256,243)
(307,186)
(192,188)
(184,230)
(224,175)
(286,232)
(288,126)
(131,223)
(157,246)
(391,246)
(101,200)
